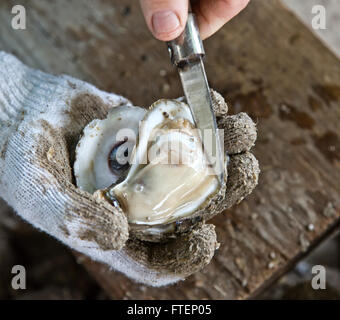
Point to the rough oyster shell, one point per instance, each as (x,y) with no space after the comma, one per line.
(160,199)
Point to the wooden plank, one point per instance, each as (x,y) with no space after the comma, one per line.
(264,62)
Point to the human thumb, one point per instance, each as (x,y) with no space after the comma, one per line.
(166,19)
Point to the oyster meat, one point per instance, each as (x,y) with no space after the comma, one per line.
(150,163)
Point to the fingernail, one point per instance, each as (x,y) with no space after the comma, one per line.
(165,22)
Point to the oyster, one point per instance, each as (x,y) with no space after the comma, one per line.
(152,164)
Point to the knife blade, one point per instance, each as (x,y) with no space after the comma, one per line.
(187,54)
(197,93)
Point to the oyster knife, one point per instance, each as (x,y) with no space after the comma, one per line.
(187,54)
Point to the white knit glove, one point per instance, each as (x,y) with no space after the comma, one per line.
(41,119)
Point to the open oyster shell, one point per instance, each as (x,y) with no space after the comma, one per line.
(151,164)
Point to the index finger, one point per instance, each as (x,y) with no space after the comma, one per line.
(213,14)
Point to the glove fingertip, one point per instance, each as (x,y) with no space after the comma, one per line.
(199,250)
(243,175)
(181,257)
(96,221)
(240,133)
(219,104)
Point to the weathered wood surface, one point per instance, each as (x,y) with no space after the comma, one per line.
(264,62)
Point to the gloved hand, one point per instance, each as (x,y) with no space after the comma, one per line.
(41,119)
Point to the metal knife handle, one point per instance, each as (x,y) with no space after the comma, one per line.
(188,46)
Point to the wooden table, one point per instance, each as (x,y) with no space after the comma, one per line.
(264,62)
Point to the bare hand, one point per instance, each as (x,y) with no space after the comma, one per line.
(166,19)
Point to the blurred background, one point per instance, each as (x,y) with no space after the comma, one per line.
(56,273)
